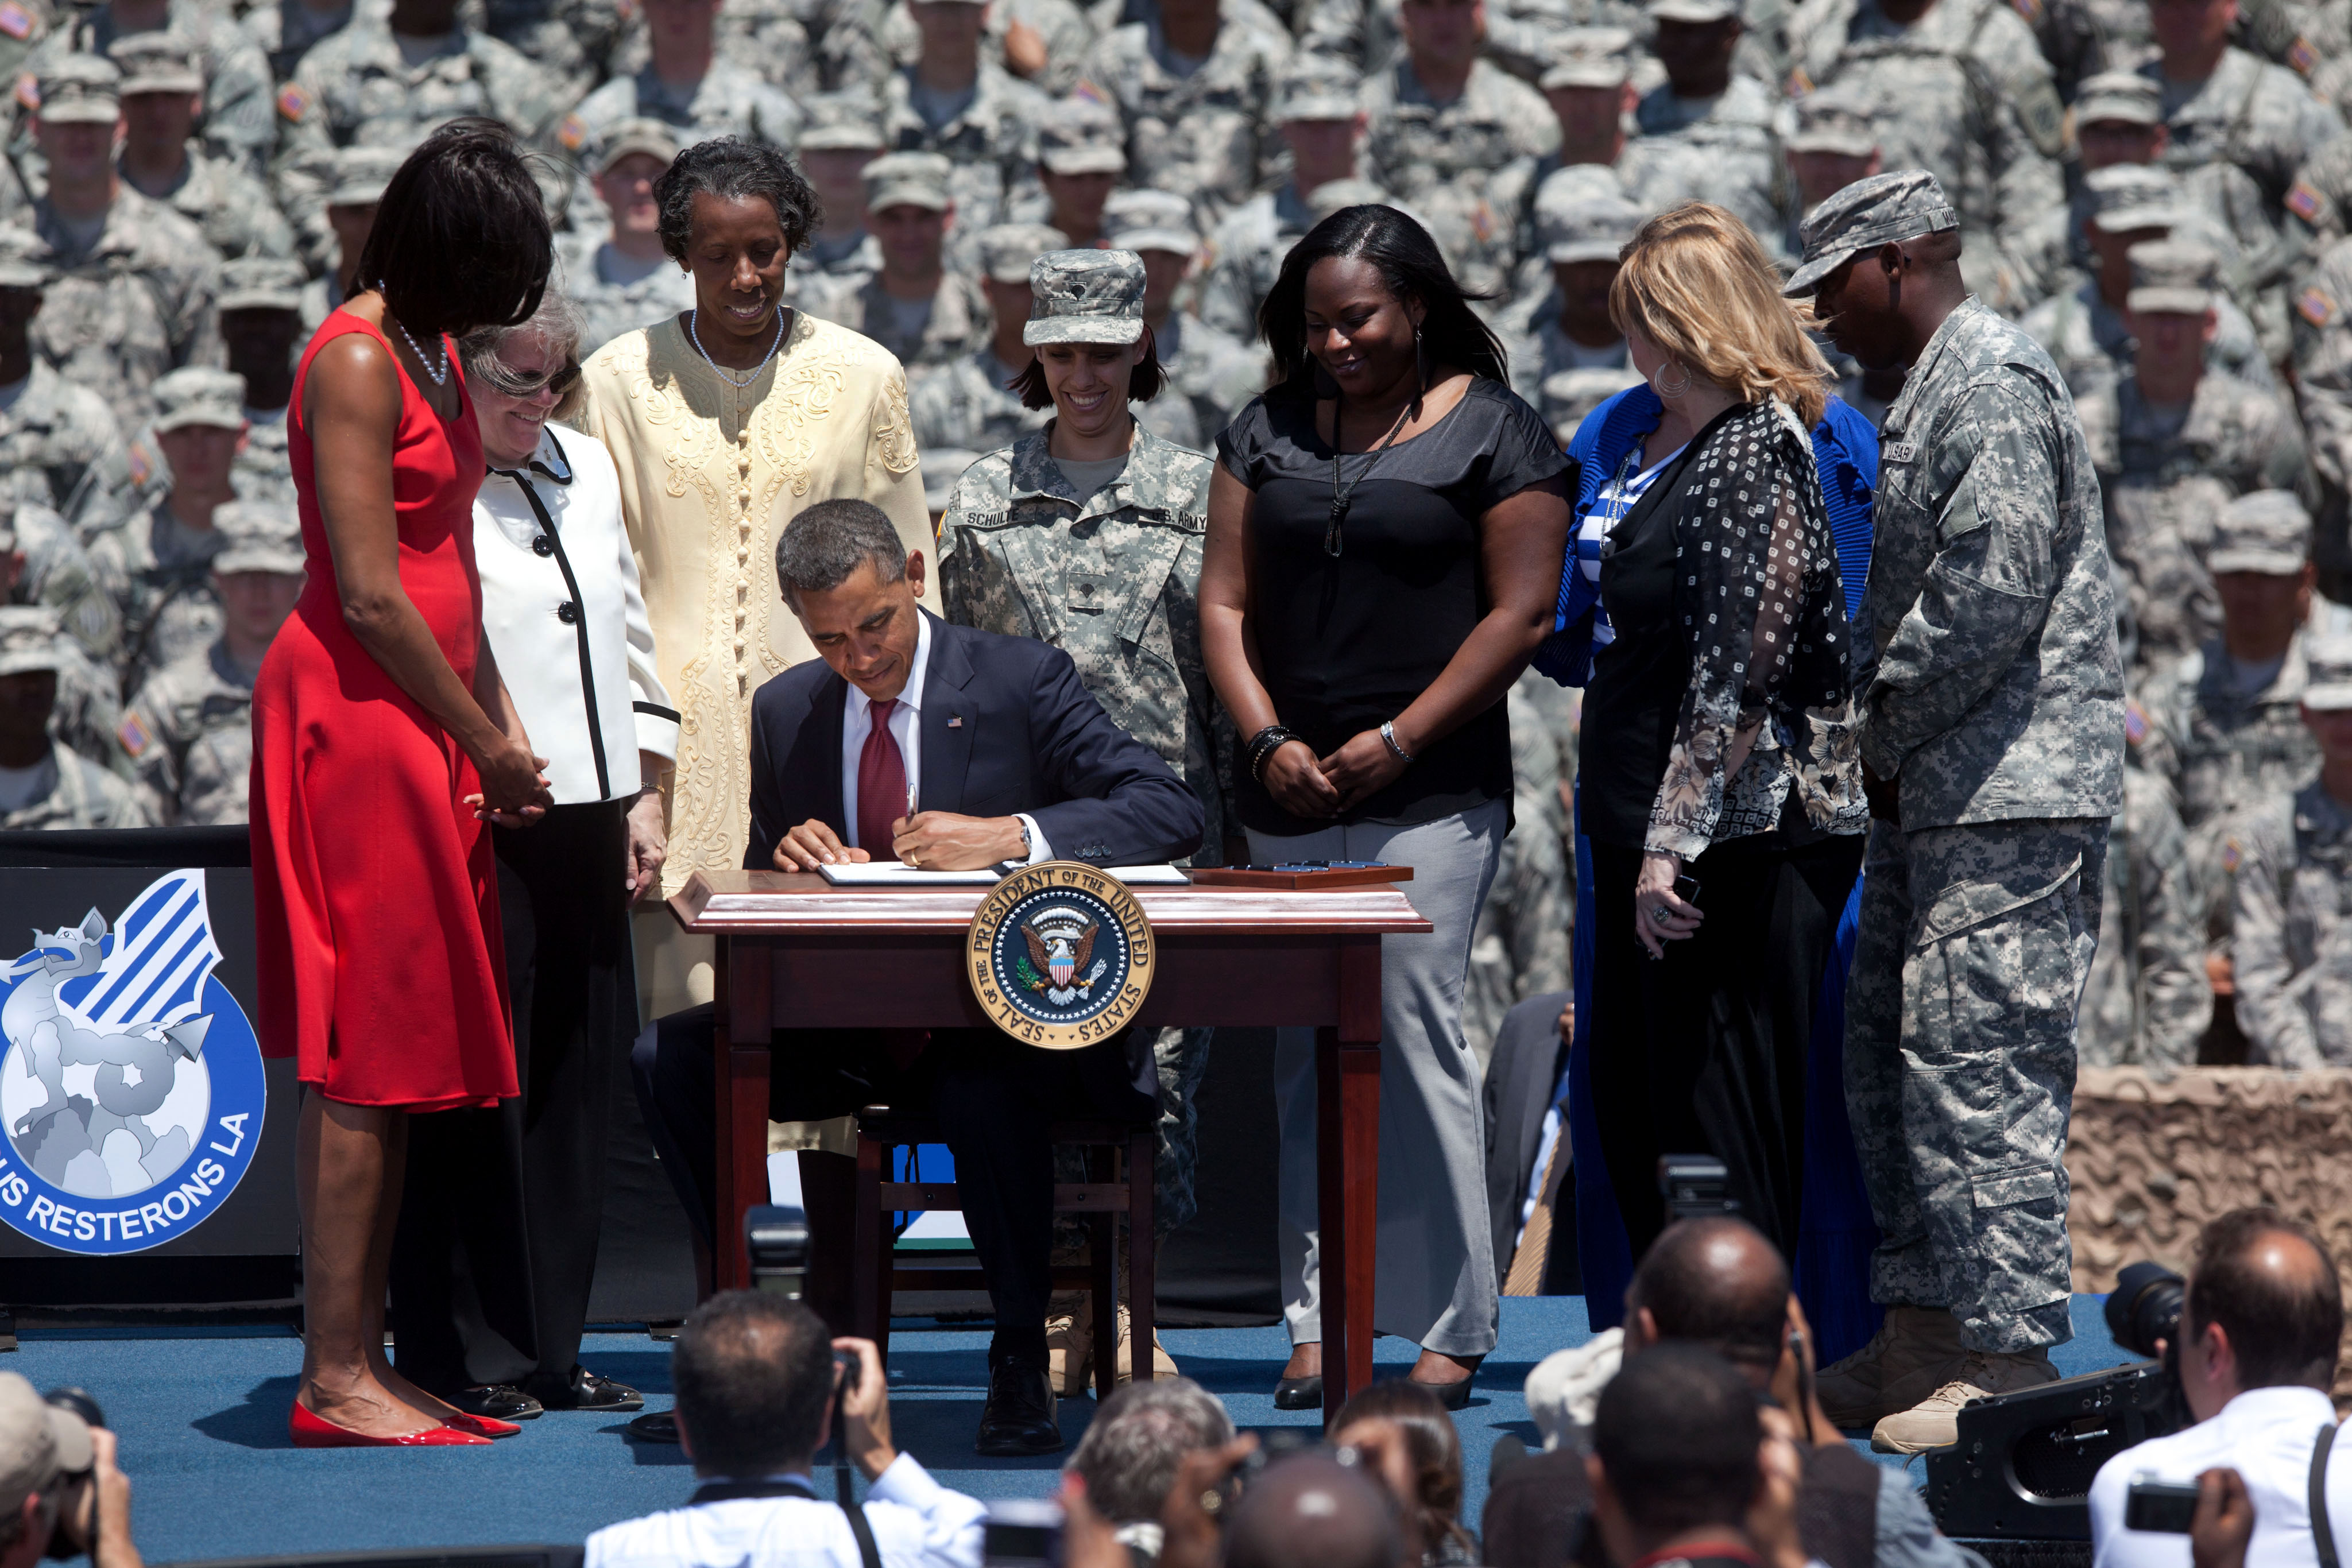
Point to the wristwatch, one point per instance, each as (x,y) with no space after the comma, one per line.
(1026,850)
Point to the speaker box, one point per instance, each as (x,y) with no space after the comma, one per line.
(2023,1468)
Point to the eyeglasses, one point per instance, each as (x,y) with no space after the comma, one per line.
(508,384)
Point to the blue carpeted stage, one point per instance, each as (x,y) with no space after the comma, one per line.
(202,1416)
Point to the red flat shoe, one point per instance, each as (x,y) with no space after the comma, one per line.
(483,1426)
(312,1430)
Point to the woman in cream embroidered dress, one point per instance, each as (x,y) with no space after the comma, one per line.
(725,423)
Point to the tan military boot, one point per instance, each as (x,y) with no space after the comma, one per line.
(1163,1364)
(1934,1422)
(1914,1351)
(1069,1342)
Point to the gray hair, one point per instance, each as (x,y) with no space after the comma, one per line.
(558,323)
(1130,1452)
(821,547)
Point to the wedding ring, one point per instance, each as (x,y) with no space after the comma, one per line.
(1660,913)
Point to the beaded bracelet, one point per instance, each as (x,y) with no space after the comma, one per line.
(1264,745)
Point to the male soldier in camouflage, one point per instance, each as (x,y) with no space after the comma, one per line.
(44,784)
(1707,133)
(1210,374)
(2225,717)
(1835,143)
(1042,41)
(236,122)
(1569,328)
(359,86)
(955,101)
(686,85)
(622,279)
(1519,948)
(284,30)
(577,42)
(1457,139)
(159,564)
(131,285)
(2223,105)
(969,403)
(912,304)
(41,562)
(1196,89)
(1592,94)
(342,216)
(189,732)
(1112,578)
(2322,323)
(2294,896)
(2173,446)
(60,444)
(162,160)
(261,326)
(1958,88)
(842,135)
(1080,161)
(1314,110)
(1991,739)
(2148,1001)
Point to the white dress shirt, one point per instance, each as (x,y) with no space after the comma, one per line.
(2266,1436)
(916,1523)
(906,728)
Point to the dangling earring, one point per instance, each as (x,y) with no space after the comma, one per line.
(1669,392)
(1420,369)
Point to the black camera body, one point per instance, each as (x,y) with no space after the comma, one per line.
(1695,1187)
(2024,1462)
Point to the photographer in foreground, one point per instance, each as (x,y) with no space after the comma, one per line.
(59,1487)
(2259,1329)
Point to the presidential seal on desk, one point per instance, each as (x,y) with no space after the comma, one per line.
(1060,954)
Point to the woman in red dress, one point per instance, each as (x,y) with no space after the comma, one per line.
(384,747)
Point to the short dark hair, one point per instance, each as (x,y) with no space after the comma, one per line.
(1742,1321)
(819,549)
(466,192)
(752,1370)
(1129,1454)
(1142,386)
(1411,266)
(733,170)
(2284,1331)
(1677,1434)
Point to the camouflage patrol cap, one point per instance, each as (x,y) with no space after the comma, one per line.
(1085,296)
(2124,96)
(1834,120)
(1007,250)
(1697,11)
(2127,197)
(2172,274)
(1589,56)
(362,173)
(1333,194)
(1315,86)
(31,638)
(2266,531)
(1583,228)
(1081,135)
(258,536)
(638,133)
(1568,395)
(261,283)
(908,179)
(2327,665)
(1884,209)
(1151,220)
(164,61)
(843,122)
(942,466)
(23,259)
(80,89)
(199,394)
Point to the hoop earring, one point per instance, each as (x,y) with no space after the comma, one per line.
(1669,392)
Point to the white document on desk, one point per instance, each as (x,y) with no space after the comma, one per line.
(898,874)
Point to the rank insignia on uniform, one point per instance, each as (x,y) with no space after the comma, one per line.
(15,20)
(293,102)
(28,90)
(2302,200)
(134,736)
(2302,56)
(1060,954)
(2315,307)
(572,133)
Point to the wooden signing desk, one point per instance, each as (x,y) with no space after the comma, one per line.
(795,951)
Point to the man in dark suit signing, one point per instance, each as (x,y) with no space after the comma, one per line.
(952,749)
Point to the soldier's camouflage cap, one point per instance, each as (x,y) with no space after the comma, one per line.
(1589,56)
(1585,228)
(1568,395)
(942,466)
(80,89)
(361,173)
(1315,86)
(2266,531)
(199,395)
(1007,250)
(1085,296)
(908,179)
(166,61)
(2172,274)
(258,536)
(638,133)
(1832,119)
(2327,663)
(261,283)
(1884,209)
(2124,96)
(31,638)
(1081,135)
(1699,11)
(1333,194)
(2127,197)
(1151,220)
(23,259)
(843,122)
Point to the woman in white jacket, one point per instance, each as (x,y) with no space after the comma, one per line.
(513,1198)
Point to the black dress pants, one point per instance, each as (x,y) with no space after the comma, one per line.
(496,1253)
(1703,1052)
(994,1098)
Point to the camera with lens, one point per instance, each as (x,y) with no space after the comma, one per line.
(777,1237)
(1695,1187)
(77,1491)
(2143,1311)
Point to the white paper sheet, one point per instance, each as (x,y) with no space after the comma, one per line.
(898,874)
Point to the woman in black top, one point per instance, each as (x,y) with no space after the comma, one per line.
(1720,787)
(1386,528)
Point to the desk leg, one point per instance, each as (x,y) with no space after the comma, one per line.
(1347,1151)
(739,1069)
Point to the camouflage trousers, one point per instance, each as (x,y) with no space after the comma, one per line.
(1974,947)
(1182,1058)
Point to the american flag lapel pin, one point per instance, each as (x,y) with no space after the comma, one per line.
(955,721)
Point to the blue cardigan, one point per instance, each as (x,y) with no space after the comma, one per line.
(1845,455)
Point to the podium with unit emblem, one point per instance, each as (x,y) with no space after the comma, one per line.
(794,951)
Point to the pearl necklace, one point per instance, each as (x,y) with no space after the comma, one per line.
(729,377)
(440,374)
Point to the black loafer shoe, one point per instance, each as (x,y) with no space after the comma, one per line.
(584,1390)
(499,1401)
(654,1427)
(1019,1418)
(1298,1394)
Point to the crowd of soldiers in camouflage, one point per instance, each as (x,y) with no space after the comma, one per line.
(2159,190)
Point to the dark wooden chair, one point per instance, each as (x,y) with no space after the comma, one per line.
(875,1271)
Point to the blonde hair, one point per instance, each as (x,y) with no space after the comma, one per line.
(1694,282)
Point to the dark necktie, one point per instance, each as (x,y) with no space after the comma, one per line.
(881,784)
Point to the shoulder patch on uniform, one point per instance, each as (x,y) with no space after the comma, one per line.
(28,89)
(2232,853)
(2316,306)
(572,133)
(2135,721)
(141,465)
(15,20)
(2029,9)
(134,736)
(2304,202)
(2302,58)
(1799,83)
(293,101)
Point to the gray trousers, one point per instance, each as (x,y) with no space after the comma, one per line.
(1968,969)
(1434,1282)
